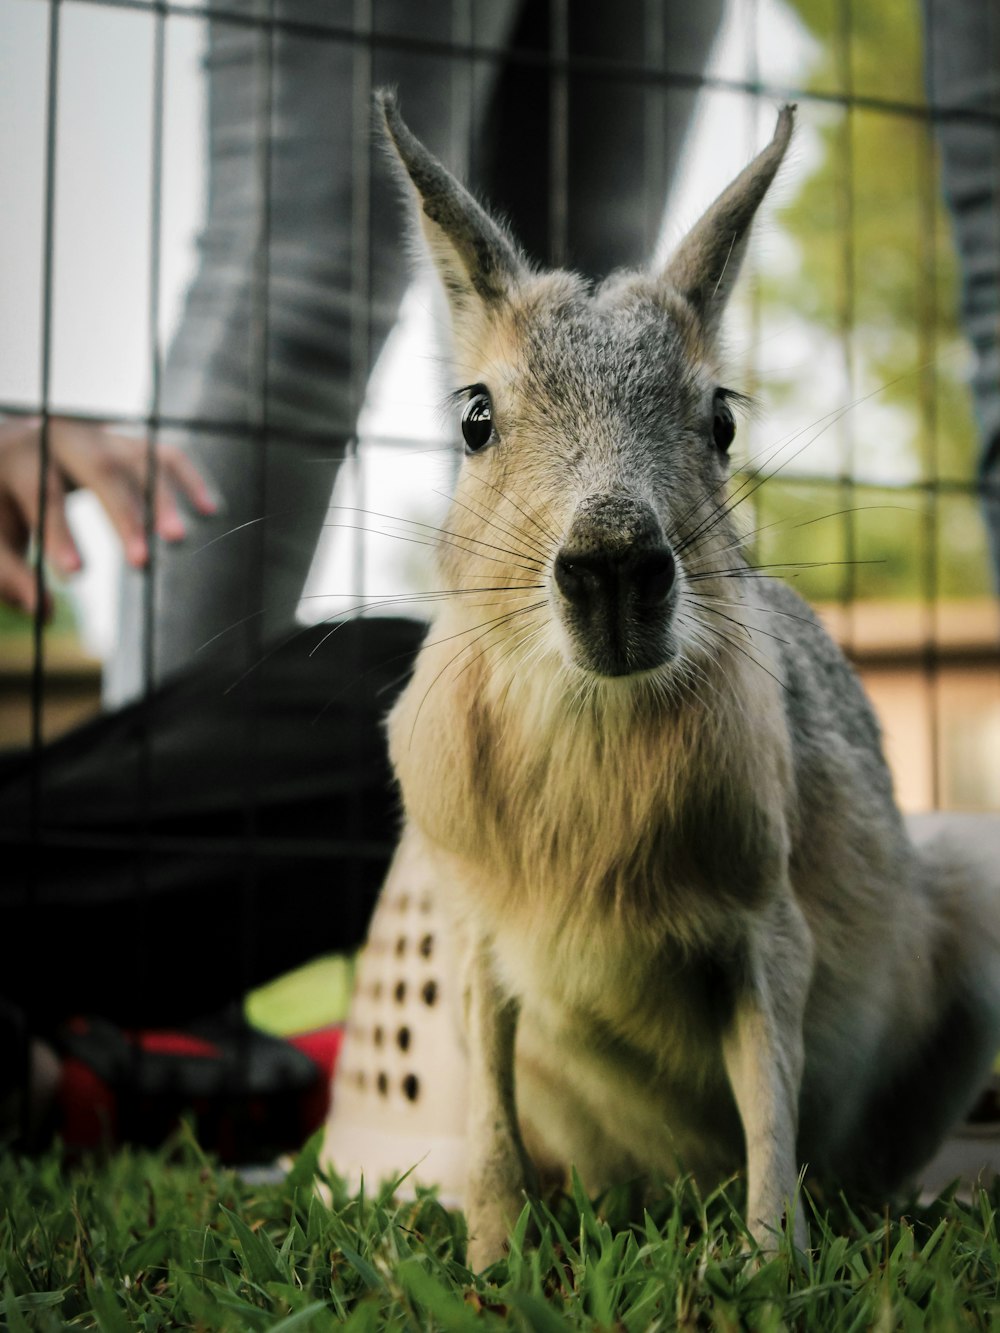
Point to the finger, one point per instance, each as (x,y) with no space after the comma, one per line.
(123,505)
(182,472)
(15,431)
(18,586)
(169,523)
(60,548)
(22,496)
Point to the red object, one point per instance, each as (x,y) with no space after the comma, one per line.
(252,1095)
(175,1043)
(85,1107)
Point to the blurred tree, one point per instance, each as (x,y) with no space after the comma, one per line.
(875,281)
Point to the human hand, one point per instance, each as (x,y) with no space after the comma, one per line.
(113,466)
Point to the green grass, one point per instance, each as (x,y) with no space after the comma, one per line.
(171,1240)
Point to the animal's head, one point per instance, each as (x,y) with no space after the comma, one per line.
(596,430)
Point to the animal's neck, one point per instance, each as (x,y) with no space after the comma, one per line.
(607,795)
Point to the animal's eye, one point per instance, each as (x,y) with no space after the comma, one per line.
(477,420)
(723,424)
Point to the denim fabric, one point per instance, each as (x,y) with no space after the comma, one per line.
(962,66)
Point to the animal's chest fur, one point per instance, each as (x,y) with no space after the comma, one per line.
(628,822)
(613,857)
(619,1051)
(655,1007)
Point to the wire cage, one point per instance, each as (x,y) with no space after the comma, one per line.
(203,251)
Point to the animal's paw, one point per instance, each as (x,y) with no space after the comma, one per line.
(490,1222)
(489,1242)
(769,1236)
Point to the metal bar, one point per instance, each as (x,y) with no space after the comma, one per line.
(846,313)
(38,625)
(559,69)
(927,402)
(654,119)
(257,417)
(45,383)
(944,484)
(360,352)
(633,70)
(153,340)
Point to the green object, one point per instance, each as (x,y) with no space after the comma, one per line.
(313,996)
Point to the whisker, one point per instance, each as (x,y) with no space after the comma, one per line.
(491,521)
(755,478)
(490,627)
(752,606)
(492,630)
(735,644)
(391,600)
(444,532)
(750,571)
(374,600)
(740,544)
(239,527)
(829,418)
(536,631)
(713,611)
(529,513)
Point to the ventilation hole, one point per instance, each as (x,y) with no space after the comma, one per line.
(401,946)
(426,905)
(400,992)
(403,1039)
(430,992)
(359,1079)
(379,1035)
(427,946)
(382,1083)
(403,902)
(377,990)
(411,1087)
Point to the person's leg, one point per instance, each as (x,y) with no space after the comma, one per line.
(582,167)
(222,830)
(302,270)
(962,65)
(228,863)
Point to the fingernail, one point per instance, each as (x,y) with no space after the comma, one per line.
(135,552)
(173,530)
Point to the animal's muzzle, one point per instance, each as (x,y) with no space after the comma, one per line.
(602,582)
(616,575)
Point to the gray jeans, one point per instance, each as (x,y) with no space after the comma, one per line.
(962,63)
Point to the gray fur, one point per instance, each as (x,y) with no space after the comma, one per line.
(488,257)
(654,796)
(704,268)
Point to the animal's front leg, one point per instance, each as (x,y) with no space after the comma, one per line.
(499,1169)
(763,1053)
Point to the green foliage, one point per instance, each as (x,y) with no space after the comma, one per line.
(868,276)
(170,1240)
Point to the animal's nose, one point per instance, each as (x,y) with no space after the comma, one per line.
(608,578)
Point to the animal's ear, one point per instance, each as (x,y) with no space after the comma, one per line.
(477,260)
(705,265)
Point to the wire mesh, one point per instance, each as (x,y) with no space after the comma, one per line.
(284,857)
